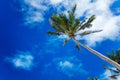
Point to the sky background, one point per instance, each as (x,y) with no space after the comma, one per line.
(28,53)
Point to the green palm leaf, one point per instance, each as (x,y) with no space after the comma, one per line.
(71,16)
(74,8)
(88,23)
(59,22)
(54,33)
(76,25)
(88,32)
(114,56)
(77,46)
(55,26)
(65,42)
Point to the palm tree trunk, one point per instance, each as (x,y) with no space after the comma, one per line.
(101,56)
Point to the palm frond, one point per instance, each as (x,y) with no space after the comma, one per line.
(90,78)
(59,21)
(77,46)
(112,70)
(114,56)
(54,33)
(84,21)
(88,32)
(76,25)
(65,21)
(65,42)
(71,18)
(88,23)
(111,56)
(55,26)
(91,19)
(114,76)
(74,8)
(118,53)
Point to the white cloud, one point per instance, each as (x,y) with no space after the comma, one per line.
(70,66)
(105,19)
(66,64)
(55,1)
(33,10)
(22,60)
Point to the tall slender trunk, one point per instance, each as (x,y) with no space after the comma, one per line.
(101,56)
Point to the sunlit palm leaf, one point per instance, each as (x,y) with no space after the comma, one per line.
(55,26)
(65,20)
(57,19)
(59,22)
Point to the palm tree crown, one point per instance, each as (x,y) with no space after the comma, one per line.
(69,25)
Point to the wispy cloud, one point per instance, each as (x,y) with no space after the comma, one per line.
(33,10)
(105,19)
(22,60)
(70,66)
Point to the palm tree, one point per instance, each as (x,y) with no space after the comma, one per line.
(70,26)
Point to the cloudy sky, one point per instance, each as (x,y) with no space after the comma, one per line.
(28,53)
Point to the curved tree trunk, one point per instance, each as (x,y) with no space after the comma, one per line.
(101,56)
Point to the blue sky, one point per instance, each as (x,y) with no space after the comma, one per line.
(28,53)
